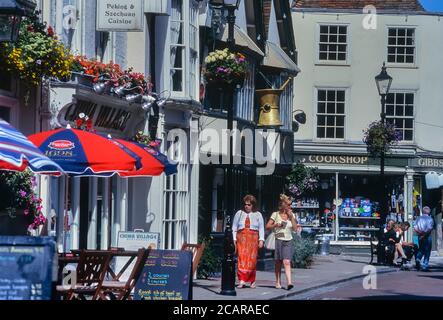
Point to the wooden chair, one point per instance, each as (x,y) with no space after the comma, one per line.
(91,271)
(119,290)
(197,252)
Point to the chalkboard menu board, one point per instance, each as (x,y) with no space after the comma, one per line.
(166,275)
(26,268)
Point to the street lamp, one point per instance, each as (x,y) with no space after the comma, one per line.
(228,264)
(11,13)
(384,82)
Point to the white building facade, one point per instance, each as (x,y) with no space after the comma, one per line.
(340,51)
(166,50)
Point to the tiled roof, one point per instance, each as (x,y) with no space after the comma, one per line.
(405,5)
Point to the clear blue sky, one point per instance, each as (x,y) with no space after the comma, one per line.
(433,5)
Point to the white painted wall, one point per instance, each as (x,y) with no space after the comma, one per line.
(367,51)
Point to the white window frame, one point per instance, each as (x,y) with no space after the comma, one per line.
(416,51)
(345,62)
(187,91)
(414,92)
(176,218)
(346,114)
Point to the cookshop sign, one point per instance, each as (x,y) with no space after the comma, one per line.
(120,15)
(333,159)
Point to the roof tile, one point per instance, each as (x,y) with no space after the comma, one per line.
(406,5)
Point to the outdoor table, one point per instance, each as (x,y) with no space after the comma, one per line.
(74,257)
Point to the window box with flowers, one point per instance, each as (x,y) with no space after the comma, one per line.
(37,54)
(380,138)
(89,71)
(20,208)
(224,68)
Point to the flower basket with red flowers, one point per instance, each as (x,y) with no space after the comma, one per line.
(83,122)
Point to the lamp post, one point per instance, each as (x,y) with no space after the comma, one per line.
(11,13)
(383,81)
(228,264)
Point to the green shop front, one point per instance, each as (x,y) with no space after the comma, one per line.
(345,206)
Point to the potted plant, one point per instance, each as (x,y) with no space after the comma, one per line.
(225,68)
(146,140)
(36,54)
(83,122)
(85,71)
(20,208)
(379,137)
(302,179)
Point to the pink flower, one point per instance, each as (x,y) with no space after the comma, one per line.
(26,212)
(22,193)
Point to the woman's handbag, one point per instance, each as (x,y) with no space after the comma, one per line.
(270,241)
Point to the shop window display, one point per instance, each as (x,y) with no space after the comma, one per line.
(358,218)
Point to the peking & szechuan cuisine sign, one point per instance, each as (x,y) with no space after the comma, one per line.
(120,15)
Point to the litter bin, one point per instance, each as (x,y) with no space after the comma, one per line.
(323,245)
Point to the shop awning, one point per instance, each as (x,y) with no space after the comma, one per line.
(242,40)
(276,58)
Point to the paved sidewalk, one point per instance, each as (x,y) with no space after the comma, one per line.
(326,270)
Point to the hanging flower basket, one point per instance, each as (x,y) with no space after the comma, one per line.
(302,180)
(380,138)
(37,54)
(224,68)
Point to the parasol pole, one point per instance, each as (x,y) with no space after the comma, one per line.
(65,213)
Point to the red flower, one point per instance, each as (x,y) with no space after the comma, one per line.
(89,125)
(50,31)
(78,123)
(30,28)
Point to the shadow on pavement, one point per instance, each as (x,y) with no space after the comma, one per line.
(429,275)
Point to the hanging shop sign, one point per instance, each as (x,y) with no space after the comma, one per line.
(136,240)
(120,15)
(426,163)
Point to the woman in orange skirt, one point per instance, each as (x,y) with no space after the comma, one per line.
(248,231)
